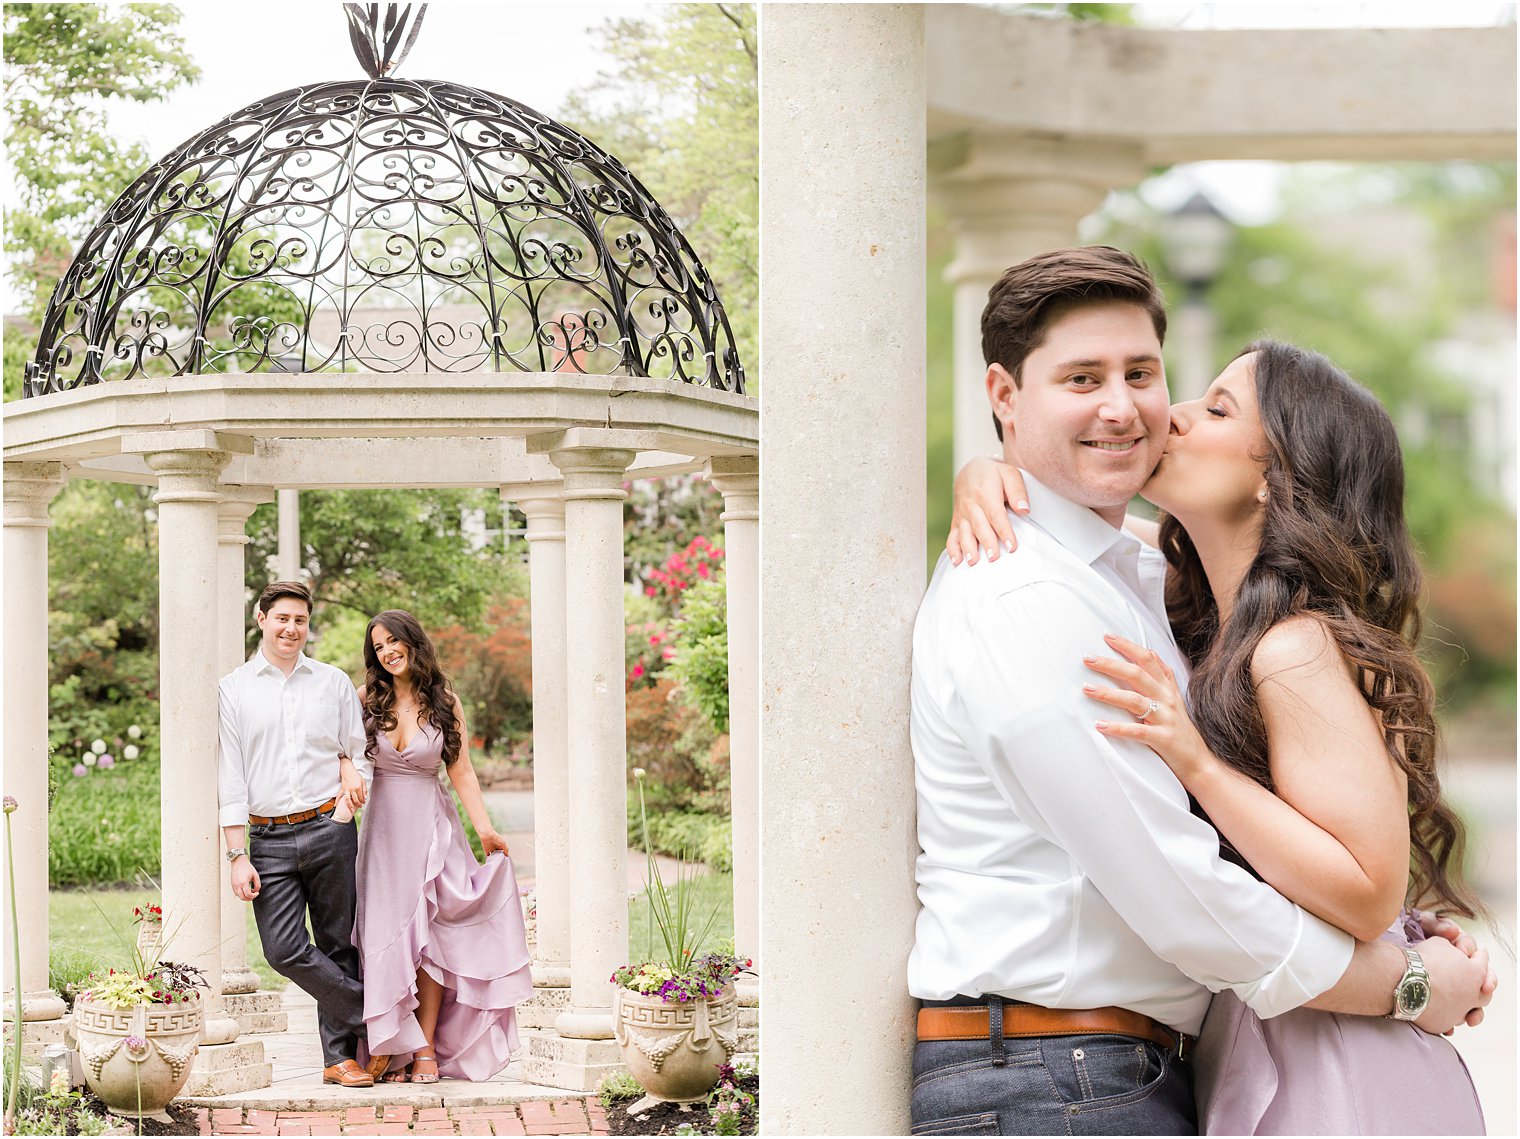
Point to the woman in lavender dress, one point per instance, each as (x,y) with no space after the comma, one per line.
(1292,589)
(441,936)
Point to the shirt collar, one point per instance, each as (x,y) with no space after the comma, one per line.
(264,664)
(1077,528)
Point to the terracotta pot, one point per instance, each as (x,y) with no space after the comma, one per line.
(149,1047)
(673,1050)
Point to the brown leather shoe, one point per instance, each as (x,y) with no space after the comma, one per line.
(376,1066)
(348,1074)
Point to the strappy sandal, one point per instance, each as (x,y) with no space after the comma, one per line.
(424,1077)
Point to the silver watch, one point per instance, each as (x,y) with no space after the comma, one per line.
(236,852)
(1412,993)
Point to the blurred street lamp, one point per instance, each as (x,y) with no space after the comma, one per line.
(1195,243)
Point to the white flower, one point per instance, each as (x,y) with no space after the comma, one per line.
(134,732)
(91,759)
(129,752)
(639,773)
(98,747)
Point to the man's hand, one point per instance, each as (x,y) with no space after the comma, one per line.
(1460,986)
(245,880)
(353,782)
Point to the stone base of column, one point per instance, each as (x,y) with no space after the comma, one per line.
(551,996)
(560,1062)
(239,979)
(37,1035)
(748,992)
(256,1012)
(222,1069)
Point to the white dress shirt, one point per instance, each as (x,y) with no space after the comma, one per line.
(281,737)
(1058,866)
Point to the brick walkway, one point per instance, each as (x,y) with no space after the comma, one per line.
(528,1117)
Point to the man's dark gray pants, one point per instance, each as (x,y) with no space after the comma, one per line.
(309,867)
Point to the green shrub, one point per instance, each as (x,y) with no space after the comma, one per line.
(616,1087)
(696,836)
(700,666)
(104,826)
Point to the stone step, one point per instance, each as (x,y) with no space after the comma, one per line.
(230,1080)
(223,1057)
(749,1017)
(263,1023)
(243,1004)
(579,1065)
(749,1041)
(539,1010)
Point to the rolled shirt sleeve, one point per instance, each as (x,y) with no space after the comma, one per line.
(231,780)
(1118,811)
(352,736)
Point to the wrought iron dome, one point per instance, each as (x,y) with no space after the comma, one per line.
(385,225)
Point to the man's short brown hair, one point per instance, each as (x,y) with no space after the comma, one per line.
(1029,297)
(278,589)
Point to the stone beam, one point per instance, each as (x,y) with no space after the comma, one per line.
(1355,94)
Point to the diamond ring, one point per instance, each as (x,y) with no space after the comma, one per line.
(1150,710)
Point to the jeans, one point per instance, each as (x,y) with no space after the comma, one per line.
(1051,1085)
(310,867)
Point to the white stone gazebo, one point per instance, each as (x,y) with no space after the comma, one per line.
(1017,126)
(366,284)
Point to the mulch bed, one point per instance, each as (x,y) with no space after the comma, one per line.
(665,1118)
(184,1123)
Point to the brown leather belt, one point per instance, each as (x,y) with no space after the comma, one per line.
(974,1022)
(298,817)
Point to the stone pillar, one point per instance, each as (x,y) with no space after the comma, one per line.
(596,743)
(29,488)
(187,499)
(288,552)
(738,479)
(1012,197)
(843,148)
(545,512)
(255,1012)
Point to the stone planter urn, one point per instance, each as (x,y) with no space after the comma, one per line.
(136,1060)
(673,1050)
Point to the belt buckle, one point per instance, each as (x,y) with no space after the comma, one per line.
(1182,1045)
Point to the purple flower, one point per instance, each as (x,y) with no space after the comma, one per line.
(106,761)
(10,804)
(80,770)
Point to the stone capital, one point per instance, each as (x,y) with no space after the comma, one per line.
(595,473)
(187,476)
(544,508)
(737,478)
(233,511)
(29,489)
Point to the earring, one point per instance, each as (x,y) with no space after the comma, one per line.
(1261,496)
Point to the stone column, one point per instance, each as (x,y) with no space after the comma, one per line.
(29,488)
(254,1011)
(1012,197)
(187,499)
(738,479)
(842,233)
(596,742)
(551,773)
(288,551)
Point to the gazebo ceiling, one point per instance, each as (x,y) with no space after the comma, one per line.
(385,226)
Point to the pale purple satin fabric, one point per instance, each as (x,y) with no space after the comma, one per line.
(1318,1073)
(425,901)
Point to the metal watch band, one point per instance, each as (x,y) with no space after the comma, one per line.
(236,852)
(1414,973)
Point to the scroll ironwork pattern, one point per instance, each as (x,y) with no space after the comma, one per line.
(385,226)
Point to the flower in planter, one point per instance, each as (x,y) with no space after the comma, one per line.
(98,747)
(153,915)
(80,771)
(129,752)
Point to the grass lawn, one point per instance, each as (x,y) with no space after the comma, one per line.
(81,939)
(711,891)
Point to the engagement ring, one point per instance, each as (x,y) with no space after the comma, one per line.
(1149,710)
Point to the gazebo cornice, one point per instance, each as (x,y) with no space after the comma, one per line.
(91,423)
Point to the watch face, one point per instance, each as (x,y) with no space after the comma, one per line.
(1414,996)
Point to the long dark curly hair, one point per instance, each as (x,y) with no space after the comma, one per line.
(435,695)
(1334,544)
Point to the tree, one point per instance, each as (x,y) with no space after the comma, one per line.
(681,110)
(64,63)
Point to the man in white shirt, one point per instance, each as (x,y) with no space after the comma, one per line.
(1075,915)
(291,769)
